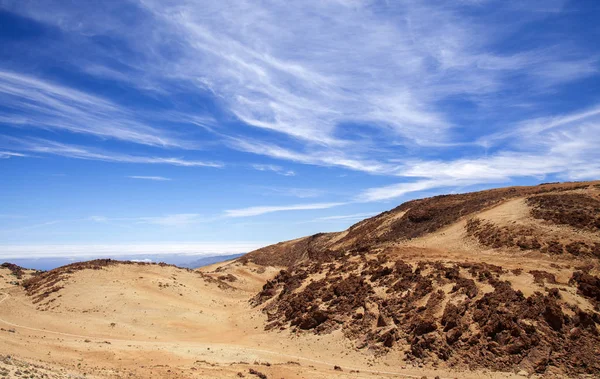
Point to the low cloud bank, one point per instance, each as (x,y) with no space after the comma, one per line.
(8,252)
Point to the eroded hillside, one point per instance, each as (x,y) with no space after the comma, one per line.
(505,279)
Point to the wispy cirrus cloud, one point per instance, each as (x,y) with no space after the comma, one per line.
(274,168)
(316,156)
(29,102)
(529,129)
(488,170)
(43,146)
(260,210)
(10,154)
(352,91)
(153,178)
(563,145)
(349,75)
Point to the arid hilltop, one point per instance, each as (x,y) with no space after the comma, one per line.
(498,283)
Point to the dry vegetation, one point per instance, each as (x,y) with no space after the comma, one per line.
(577,210)
(441,313)
(15,270)
(528,238)
(449,313)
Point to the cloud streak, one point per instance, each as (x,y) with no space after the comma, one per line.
(274,168)
(563,145)
(354,91)
(153,178)
(10,154)
(115,250)
(261,210)
(43,146)
(34,103)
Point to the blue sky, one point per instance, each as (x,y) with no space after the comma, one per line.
(220,126)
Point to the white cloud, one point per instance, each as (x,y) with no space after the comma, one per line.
(147,260)
(154,178)
(10,154)
(116,250)
(274,168)
(260,210)
(526,130)
(30,102)
(43,146)
(491,170)
(563,145)
(487,170)
(318,156)
(345,91)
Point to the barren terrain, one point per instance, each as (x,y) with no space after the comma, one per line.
(497,284)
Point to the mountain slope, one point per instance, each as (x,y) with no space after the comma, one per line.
(420,217)
(505,279)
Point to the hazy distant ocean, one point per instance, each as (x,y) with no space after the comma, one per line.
(182,260)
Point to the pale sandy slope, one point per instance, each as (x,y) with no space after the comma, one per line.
(172,323)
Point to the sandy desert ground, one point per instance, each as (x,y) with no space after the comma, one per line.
(117,320)
(147,321)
